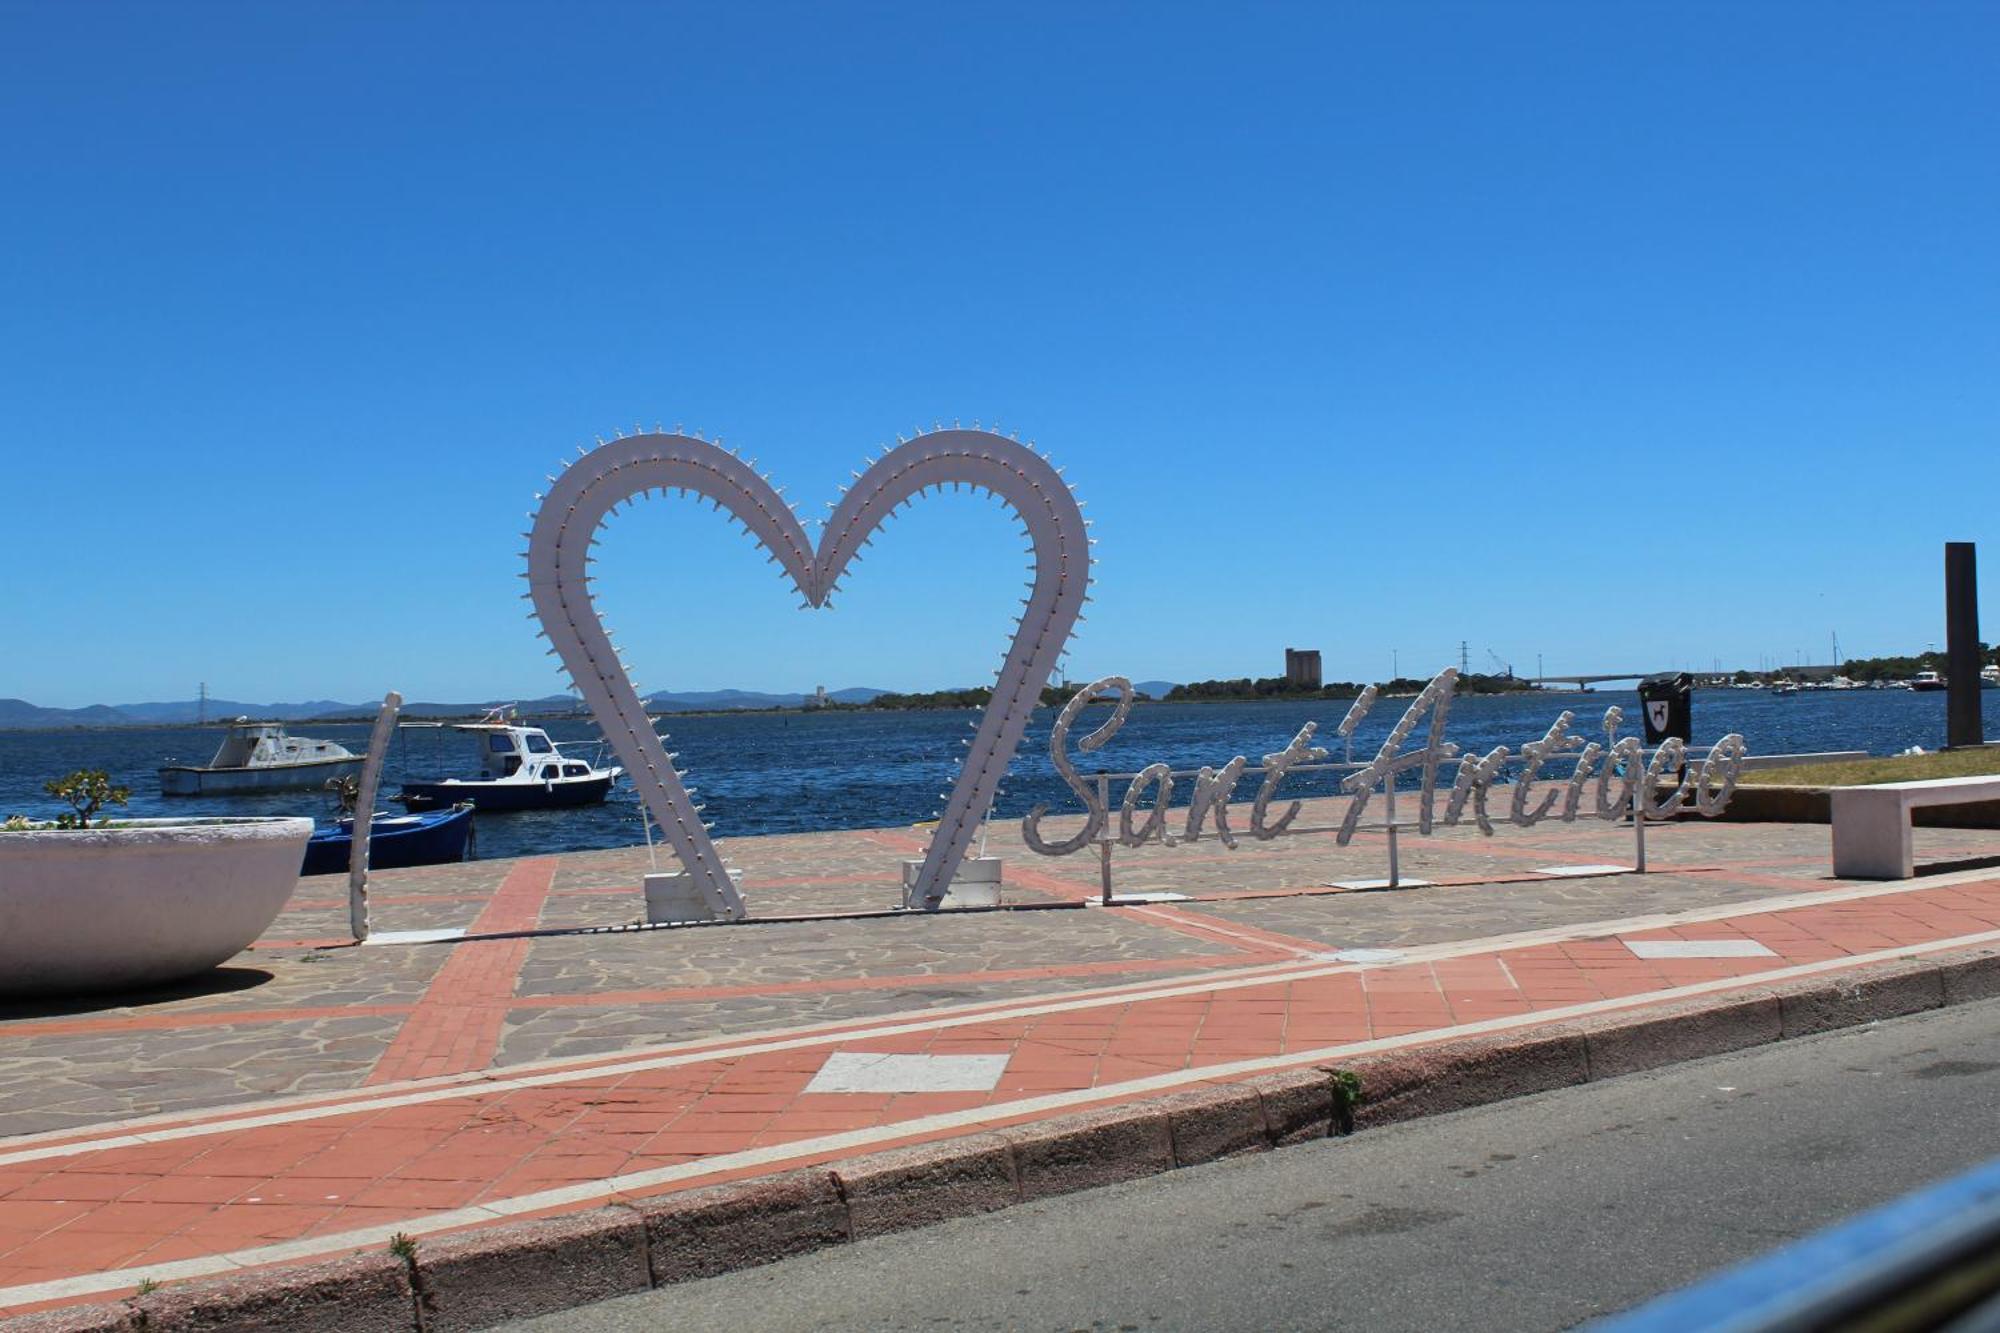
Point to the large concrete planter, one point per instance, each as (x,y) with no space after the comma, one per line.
(151,901)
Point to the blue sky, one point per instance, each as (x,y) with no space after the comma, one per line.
(1630,336)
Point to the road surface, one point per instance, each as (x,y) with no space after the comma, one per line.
(1533,1214)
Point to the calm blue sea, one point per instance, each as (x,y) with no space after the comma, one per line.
(766,773)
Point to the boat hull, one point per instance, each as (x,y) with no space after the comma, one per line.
(394,842)
(494,796)
(191,780)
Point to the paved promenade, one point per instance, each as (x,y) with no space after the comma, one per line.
(317,1098)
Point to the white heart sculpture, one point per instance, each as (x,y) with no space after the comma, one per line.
(565,529)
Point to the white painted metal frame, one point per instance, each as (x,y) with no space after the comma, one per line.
(1652,785)
(588,490)
(364,814)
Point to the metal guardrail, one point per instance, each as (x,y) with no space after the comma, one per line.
(1929,1261)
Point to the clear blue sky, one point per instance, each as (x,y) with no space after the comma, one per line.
(1626,335)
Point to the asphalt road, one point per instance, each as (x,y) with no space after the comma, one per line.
(1535,1214)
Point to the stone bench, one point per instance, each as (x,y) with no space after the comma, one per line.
(1871,825)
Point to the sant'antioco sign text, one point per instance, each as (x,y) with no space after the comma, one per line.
(1560,775)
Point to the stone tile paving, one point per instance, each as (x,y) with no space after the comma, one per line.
(289,1018)
(535,1034)
(1452,912)
(100,1212)
(62,1082)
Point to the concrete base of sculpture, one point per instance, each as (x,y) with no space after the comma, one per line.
(148,902)
(673,899)
(977,883)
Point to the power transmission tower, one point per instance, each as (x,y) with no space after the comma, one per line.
(1464,661)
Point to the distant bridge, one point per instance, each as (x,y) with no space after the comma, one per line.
(1599,677)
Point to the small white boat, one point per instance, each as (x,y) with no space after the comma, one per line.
(520,769)
(1927,680)
(258,757)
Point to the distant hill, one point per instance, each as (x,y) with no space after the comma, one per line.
(687,701)
(19,714)
(172,714)
(1154,689)
(22,714)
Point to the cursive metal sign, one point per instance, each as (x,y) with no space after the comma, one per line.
(1609,779)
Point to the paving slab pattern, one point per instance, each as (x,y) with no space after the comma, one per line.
(432,1087)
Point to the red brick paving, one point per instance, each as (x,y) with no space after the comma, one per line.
(372,1158)
(456,1027)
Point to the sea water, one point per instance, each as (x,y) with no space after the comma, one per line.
(797,772)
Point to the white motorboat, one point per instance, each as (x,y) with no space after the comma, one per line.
(520,769)
(260,757)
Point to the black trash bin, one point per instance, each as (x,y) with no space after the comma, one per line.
(1666,701)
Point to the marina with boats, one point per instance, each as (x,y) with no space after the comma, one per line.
(516,767)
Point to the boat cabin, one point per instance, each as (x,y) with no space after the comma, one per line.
(507,749)
(265,744)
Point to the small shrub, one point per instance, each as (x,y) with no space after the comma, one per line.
(87,790)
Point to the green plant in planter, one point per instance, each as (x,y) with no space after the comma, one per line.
(87,790)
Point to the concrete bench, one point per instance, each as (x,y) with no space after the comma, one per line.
(1871,825)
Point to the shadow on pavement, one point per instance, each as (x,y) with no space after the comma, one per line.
(221,981)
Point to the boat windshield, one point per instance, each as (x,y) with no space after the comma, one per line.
(538,743)
(500,743)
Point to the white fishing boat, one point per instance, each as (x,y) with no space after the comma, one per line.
(520,769)
(260,757)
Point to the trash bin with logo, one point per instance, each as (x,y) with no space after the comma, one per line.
(1666,701)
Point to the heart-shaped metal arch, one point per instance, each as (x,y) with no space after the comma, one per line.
(578,501)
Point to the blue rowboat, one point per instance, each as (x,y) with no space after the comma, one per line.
(394,841)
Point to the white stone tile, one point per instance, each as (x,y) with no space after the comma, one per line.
(1582,872)
(863,1071)
(1698,949)
(1159,897)
(415,936)
(1404,883)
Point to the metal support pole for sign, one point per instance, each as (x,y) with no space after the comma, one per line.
(1104,844)
(1389,807)
(364,811)
(1639,830)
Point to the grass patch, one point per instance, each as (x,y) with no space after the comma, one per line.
(1914,768)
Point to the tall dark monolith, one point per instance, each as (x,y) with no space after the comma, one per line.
(1962,724)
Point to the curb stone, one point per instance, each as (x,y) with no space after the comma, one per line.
(905,1188)
(703,1232)
(477,1278)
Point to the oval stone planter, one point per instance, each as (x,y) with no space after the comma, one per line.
(148,902)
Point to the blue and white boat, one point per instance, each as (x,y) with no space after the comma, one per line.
(520,769)
(436,837)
